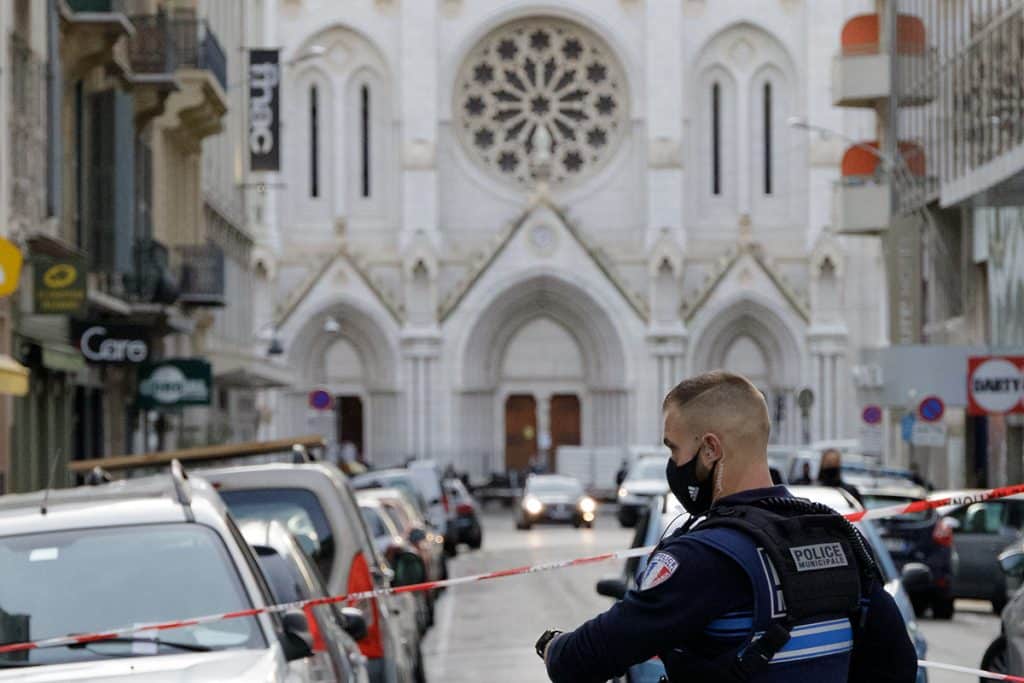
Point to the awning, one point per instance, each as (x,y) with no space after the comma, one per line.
(63,358)
(246,371)
(13,377)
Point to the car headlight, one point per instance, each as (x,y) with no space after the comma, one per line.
(587,504)
(623,492)
(532,505)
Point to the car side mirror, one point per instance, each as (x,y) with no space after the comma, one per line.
(417,536)
(916,577)
(612,588)
(409,569)
(353,622)
(296,640)
(953,523)
(1012,562)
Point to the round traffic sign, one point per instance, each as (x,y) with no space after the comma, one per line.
(871,414)
(320,400)
(931,409)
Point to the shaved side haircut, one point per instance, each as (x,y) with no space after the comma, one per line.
(723,402)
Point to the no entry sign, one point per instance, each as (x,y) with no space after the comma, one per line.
(931,409)
(995,385)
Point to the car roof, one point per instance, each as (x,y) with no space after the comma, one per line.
(914,492)
(837,499)
(145,500)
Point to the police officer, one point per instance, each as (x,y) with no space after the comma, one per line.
(756,586)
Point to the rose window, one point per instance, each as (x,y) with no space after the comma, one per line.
(541,73)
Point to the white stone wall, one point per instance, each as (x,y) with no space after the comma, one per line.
(641,265)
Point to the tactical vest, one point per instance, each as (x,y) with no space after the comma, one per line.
(809,570)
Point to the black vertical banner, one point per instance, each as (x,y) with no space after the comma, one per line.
(264,110)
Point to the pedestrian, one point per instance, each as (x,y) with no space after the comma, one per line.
(805,478)
(753,576)
(830,473)
(620,476)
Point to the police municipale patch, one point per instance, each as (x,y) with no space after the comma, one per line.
(659,570)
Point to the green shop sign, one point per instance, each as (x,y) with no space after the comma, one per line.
(175,383)
(60,285)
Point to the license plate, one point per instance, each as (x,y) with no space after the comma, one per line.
(896,545)
(561,513)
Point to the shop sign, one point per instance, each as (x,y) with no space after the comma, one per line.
(10,267)
(264,110)
(995,385)
(60,285)
(175,383)
(105,343)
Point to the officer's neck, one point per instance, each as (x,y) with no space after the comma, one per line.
(739,479)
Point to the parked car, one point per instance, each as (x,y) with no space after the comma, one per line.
(410,483)
(316,504)
(981,531)
(390,542)
(924,537)
(664,515)
(1005,655)
(292,578)
(557,499)
(464,515)
(644,480)
(427,476)
(92,562)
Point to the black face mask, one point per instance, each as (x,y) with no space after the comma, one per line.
(682,481)
(829,476)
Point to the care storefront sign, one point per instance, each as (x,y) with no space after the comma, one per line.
(995,385)
(111,344)
(175,383)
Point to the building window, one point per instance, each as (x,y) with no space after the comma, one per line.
(364,136)
(544,75)
(716,139)
(314,142)
(767,138)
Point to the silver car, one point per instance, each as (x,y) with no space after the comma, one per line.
(96,558)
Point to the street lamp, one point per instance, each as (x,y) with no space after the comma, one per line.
(888,163)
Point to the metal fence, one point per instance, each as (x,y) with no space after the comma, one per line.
(163,44)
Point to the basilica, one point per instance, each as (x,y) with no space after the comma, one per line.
(500,227)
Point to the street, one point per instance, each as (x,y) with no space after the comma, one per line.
(486,631)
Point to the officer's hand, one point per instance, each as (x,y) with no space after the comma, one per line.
(545,641)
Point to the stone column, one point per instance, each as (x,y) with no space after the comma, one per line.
(419,91)
(669,352)
(664,63)
(827,345)
(421,350)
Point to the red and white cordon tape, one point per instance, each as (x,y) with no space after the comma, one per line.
(876,513)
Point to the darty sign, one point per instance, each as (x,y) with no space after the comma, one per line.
(995,385)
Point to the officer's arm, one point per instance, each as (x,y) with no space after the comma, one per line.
(677,607)
(882,651)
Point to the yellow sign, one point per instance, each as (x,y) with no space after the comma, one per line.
(60,275)
(10,267)
(60,285)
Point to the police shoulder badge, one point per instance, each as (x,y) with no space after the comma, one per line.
(659,570)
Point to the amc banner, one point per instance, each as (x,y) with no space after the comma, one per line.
(264,110)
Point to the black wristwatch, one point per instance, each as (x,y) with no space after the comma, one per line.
(545,639)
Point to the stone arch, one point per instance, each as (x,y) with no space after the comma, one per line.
(747,320)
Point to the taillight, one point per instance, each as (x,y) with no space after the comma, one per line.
(942,534)
(359,580)
(319,644)
(464,509)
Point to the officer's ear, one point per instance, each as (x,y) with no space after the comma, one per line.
(712,448)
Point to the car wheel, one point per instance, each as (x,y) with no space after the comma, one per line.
(523,526)
(588,525)
(995,658)
(920,603)
(476,541)
(998,604)
(942,608)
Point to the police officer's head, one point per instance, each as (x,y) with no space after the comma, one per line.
(720,421)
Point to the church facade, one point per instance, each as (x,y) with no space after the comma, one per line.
(504,226)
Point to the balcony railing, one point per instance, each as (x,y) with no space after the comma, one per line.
(201,274)
(28,133)
(163,44)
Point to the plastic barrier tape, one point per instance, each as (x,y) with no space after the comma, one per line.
(969,671)
(889,511)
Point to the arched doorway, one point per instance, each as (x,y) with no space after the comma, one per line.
(752,339)
(545,340)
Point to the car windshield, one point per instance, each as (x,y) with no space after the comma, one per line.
(396,481)
(297,509)
(558,486)
(879,500)
(285,579)
(373,522)
(90,580)
(648,468)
